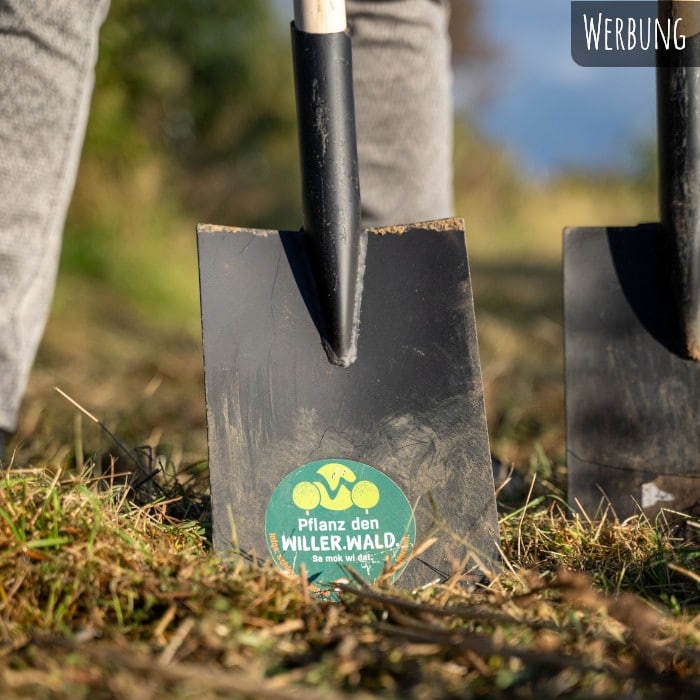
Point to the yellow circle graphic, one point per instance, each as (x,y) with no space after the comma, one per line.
(365,495)
(306,496)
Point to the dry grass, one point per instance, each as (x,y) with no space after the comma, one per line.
(103,598)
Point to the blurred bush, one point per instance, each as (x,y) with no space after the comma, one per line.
(192,120)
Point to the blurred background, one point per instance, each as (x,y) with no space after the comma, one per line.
(193,121)
(551,112)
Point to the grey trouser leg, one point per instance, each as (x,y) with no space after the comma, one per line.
(48,50)
(403,99)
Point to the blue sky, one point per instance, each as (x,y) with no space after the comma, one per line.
(551,112)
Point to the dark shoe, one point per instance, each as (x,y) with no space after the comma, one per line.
(4,439)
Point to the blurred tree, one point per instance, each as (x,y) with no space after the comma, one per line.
(475,56)
(469,42)
(207,83)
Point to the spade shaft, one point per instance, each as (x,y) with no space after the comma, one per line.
(329,172)
(678,116)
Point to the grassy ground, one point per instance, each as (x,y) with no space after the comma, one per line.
(112,593)
(102,598)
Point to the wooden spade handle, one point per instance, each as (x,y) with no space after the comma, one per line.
(320,16)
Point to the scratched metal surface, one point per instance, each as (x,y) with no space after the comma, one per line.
(632,399)
(410,406)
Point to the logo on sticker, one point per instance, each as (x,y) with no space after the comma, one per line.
(331,514)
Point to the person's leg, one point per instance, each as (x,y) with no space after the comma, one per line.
(403,99)
(48,52)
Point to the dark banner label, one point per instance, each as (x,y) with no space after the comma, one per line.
(631,34)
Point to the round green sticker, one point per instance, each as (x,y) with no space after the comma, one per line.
(336,513)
